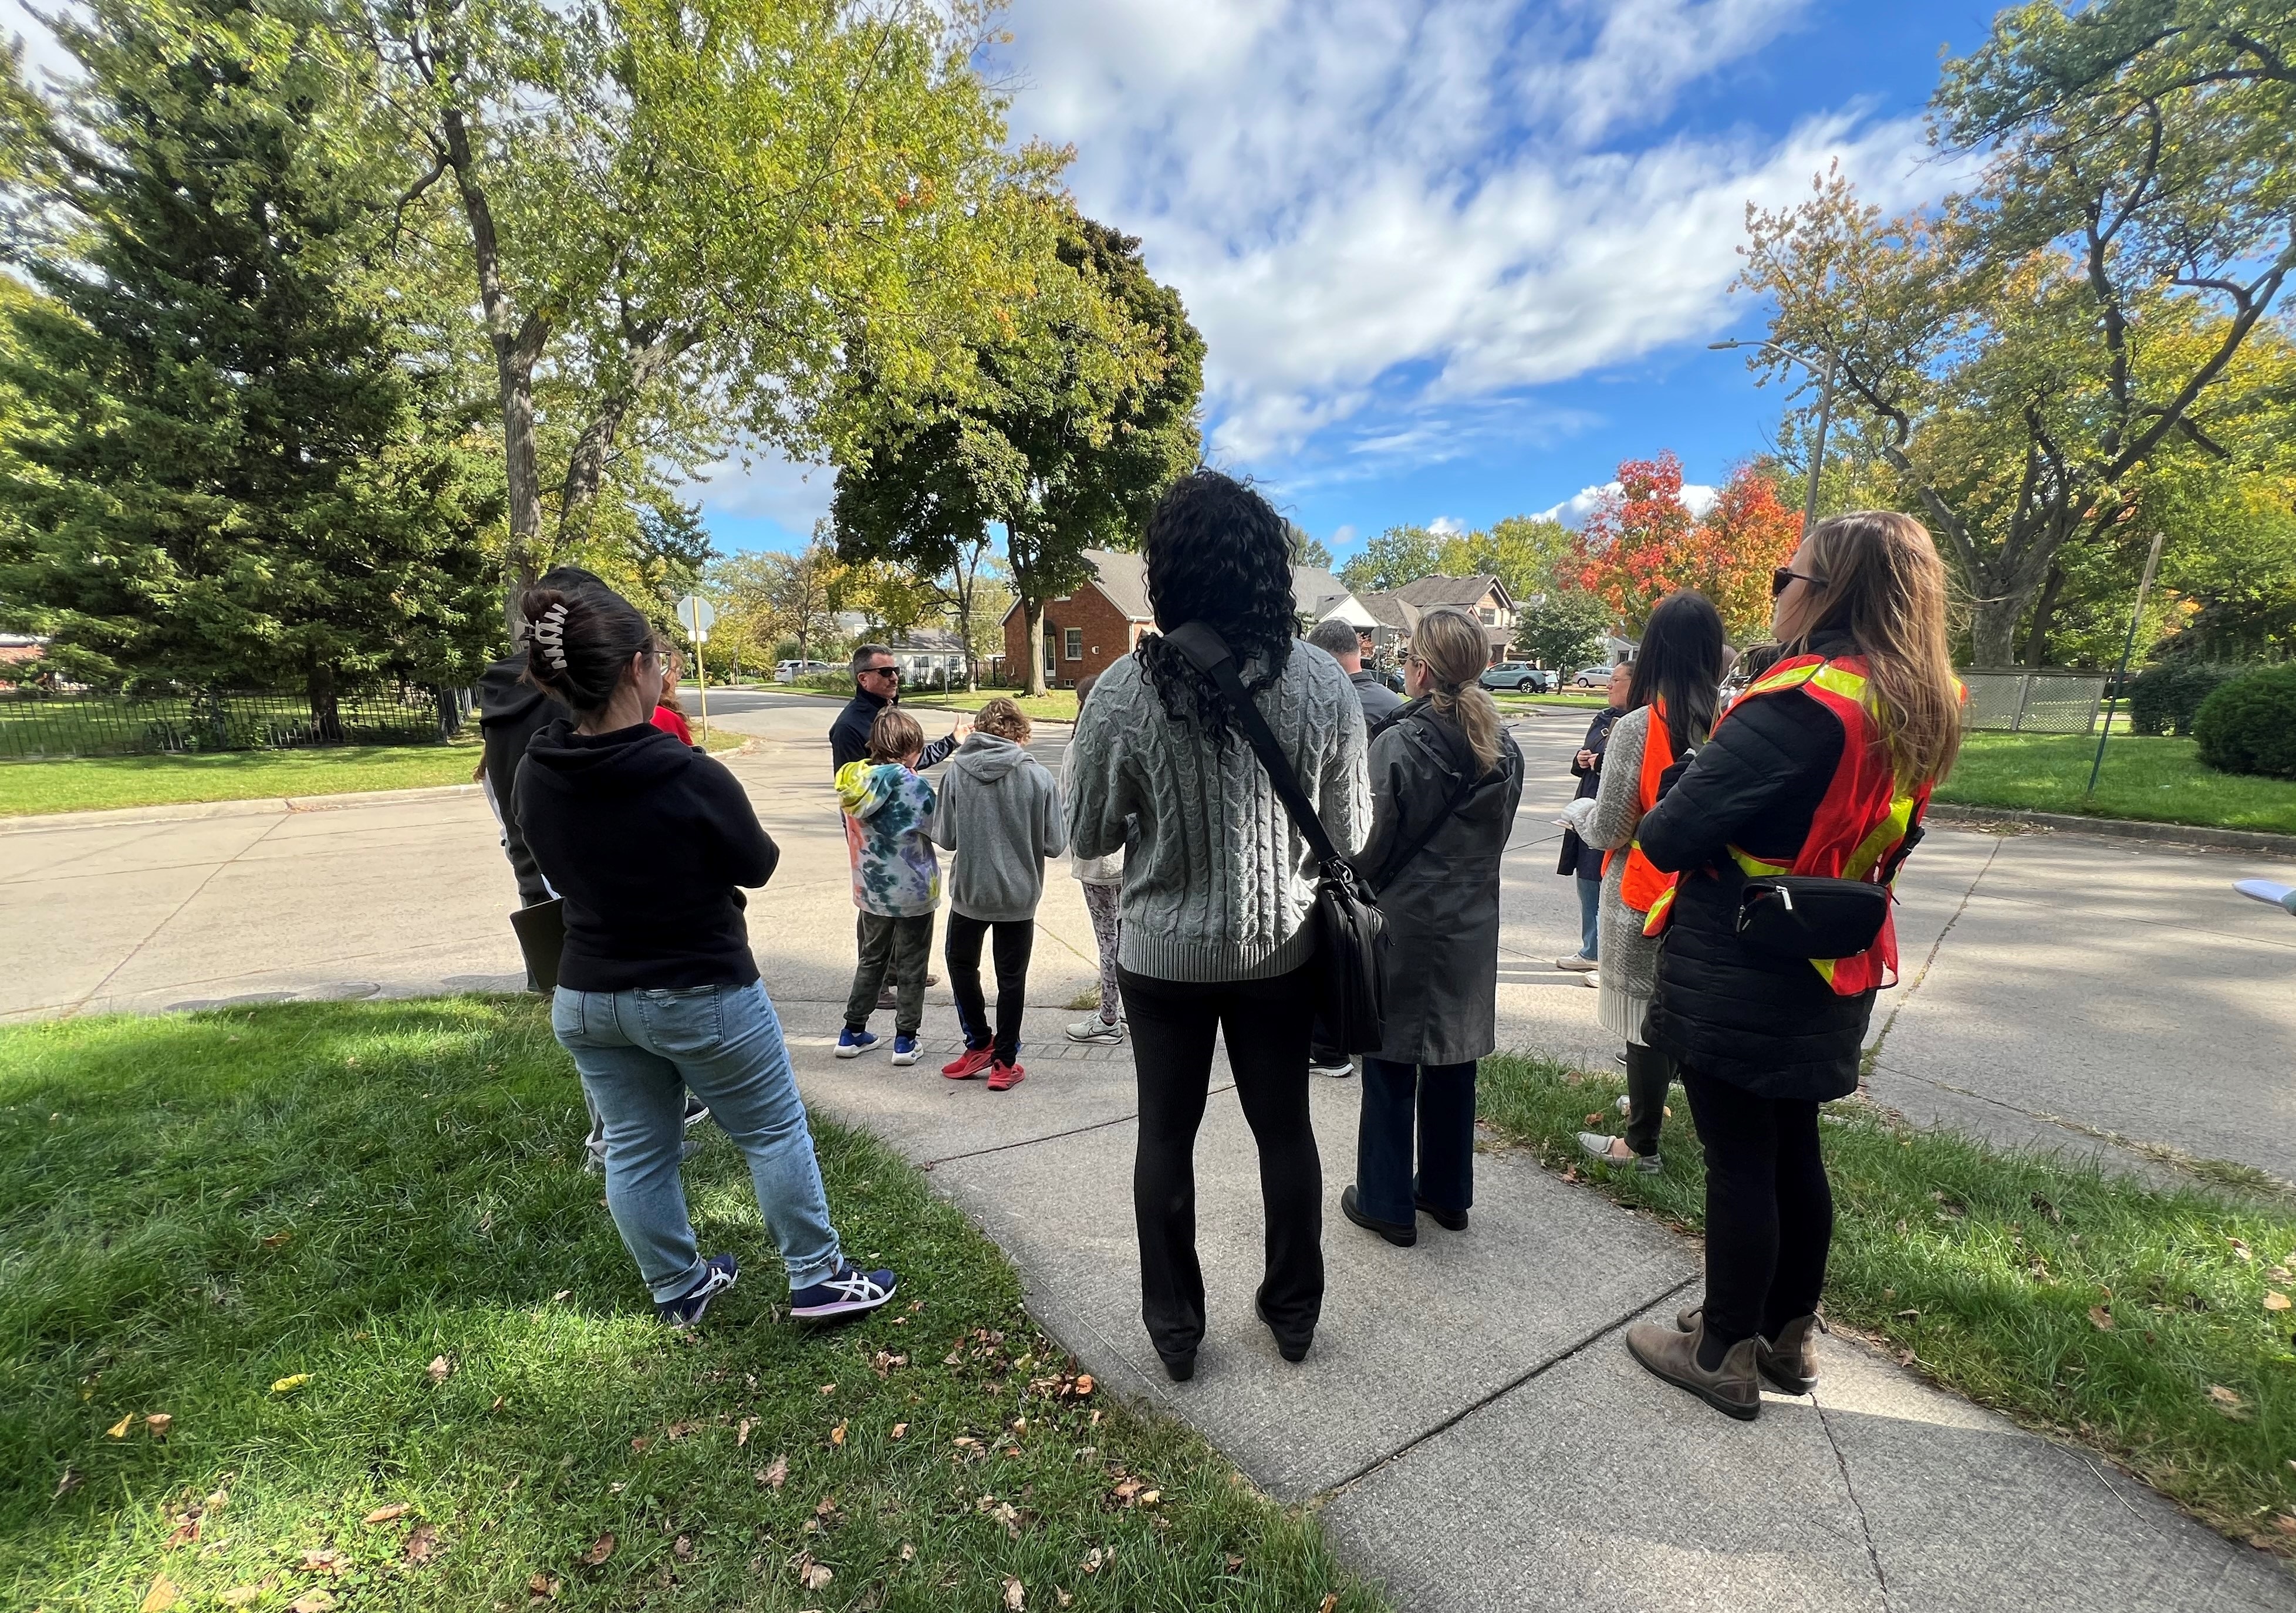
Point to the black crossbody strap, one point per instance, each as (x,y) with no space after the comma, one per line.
(1210,654)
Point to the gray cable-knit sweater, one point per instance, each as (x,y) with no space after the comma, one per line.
(1217,884)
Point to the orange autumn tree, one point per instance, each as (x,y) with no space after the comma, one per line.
(1642,543)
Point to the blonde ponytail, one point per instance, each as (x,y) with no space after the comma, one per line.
(1452,646)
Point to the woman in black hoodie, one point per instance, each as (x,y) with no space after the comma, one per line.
(658,991)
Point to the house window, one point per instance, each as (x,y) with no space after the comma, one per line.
(1075,643)
(1490,617)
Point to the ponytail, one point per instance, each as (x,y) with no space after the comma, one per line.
(579,642)
(1454,647)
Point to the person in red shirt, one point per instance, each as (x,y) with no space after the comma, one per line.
(667,716)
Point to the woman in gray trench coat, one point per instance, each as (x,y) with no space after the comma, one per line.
(1445,778)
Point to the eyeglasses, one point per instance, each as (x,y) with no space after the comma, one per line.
(891,672)
(1786,577)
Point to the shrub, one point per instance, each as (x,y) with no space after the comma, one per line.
(2249,725)
(2167,698)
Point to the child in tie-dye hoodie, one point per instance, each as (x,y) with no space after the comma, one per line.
(888,813)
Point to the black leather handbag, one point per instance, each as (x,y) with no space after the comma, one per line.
(1351,931)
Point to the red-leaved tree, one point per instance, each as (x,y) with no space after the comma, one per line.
(1642,543)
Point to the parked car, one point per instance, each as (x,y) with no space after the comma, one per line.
(1521,677)
(1592,678)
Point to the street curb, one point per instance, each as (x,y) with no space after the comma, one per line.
(254,807)
(2122,828)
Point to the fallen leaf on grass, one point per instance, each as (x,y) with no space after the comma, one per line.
(239,1596)
(1596,1118)
(119,1430)
(1065,1599)
(1016,1595)
(1330,1600)
(324,1559)
(640,1442)
(1092,1559)
(561,1296)
(387,1514)
(1083,1384)
(66,1484)
(541,1587)
(498,1405)
(158,1423)
(681,1548)
(908,1552)
(1908,1316)
(813,1576)
(829,1388)
(440,1370)
(599,1550)
(290,1383)
(2274,1300)
(900,1430)
(775,1475)
(162,1596)
(421,1545)
(313,1601)
(2101,1317)
(276,1239)
(837,1435)
(742,1434)
(2228,1401)
(1570,1174)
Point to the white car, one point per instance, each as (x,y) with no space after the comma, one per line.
(1592,678)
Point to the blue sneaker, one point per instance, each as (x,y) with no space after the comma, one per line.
(905,1050)
(852,1043)
(718,1274)
(849,1293)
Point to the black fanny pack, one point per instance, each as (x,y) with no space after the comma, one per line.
(1806,916)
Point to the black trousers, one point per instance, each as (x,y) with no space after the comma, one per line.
(1016,939)
(1769,1212)
(1649,1074)
(1436,1099)
(1265,1023)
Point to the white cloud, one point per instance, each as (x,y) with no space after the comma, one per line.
(764,485)
(1388,210)
(1696,497)
(1444,526)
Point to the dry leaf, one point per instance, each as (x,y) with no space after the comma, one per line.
(1330,1600)
(239,1596)
(742,1434)
(322,1559)
(1016,1595)
(561,1296)
(908,1552)
(829,1388)
(1065,1599)
(162,1596)
(396,1509)
(498,1405)
(900,1430)
(1596,1118)
(1083,1384)
(640,1442)
(422,1544)
(65,1484)
(812,1575)
(541,1587)
(681,1548)
(119,1430)
(1092,1559)
(290,1383)
(276,1239)
(1149,1498)
(440,1370)
(2274,1300)
(599,1550)
(2101,1317)
(777,1475)
(2228,1401)
(312,1601)
(157,1423)
(837,1435)
(1570,1174)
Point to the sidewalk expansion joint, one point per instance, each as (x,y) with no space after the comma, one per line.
(1864,1527)
(1873,1054)
(1596,1336)
(1074,1131)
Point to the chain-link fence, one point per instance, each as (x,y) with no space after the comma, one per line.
(34,723)
(2047,700)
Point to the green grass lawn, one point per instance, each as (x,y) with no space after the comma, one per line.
(346,1251)
(2157,779)
(84,783)
(2138,1321)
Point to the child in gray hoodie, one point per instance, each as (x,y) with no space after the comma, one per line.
(1000,812)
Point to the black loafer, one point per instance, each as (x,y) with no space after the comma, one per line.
(1400,1235)
(1179,1369)
(1450,1221)
(1289,1351)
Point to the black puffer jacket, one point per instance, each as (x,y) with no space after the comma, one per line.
(1769,1025)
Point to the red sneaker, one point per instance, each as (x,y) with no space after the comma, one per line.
(1004,1077)
(970,1063)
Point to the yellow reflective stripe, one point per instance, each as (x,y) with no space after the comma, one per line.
(1887,833)
(1755,867)
(1824,967)
(1788,678)
(1839,681)
(1656,917)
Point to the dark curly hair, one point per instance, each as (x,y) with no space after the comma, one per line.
(1219,554)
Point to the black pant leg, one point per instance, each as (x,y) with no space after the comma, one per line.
(1267,1024)
(1649,1074)
(963,954)
(1015,941)
(1173,1024)
(1739,1136)
(1805,1218)
(1383,1132)
(1447,1136)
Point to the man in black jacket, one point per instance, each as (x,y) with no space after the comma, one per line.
(877,684)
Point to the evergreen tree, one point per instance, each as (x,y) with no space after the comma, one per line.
(223,466)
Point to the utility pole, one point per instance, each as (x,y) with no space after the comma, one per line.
(2128,649)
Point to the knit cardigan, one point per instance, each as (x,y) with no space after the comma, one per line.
(1218,883)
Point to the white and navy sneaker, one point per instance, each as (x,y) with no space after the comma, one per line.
(849,1293)
(905,1050)
(851,1044)
(1091,1028)
(718,1274)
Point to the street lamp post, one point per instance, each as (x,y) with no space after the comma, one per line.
(1825,413)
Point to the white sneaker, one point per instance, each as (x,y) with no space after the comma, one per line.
(1338,1071)
(1593,980)
(1093,1029)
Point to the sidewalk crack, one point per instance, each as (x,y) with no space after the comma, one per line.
(1873,1052)
(1848,1488)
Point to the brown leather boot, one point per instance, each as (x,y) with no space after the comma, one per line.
(1790,1363)
(1733,1388)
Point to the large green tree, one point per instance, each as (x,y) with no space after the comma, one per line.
(2030,348)
(1397,556)
(223,467)
(1072,421)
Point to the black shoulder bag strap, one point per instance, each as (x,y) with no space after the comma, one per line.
(1210,655)
(1468,780)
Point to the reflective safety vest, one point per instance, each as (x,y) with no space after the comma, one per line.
(1643,884)
(1860,823)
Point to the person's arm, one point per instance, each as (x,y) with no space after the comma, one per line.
(1619,802)
(1758,759)
(1098,799)
(1387,774)
(1343,792)
(1051,819)
(746,854)
(943,826)
(939,751)
(849,741)
(1591,745)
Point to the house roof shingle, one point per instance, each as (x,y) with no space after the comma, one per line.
(1123,580)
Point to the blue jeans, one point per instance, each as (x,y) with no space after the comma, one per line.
(1590,912)
(1442,1099)
(638,1052)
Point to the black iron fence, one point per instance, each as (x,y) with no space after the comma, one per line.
(35,722)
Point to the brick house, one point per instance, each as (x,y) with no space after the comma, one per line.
(1485,598)
(1087,630)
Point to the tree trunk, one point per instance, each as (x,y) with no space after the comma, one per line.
(1033,610)
(1993,632)
(326,709)
(2036,636)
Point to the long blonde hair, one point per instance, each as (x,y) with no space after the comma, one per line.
(1456,650)
(1884,586)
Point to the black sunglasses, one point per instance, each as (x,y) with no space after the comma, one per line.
(1786,576)
(891,672)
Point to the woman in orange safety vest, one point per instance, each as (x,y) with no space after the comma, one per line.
(1820,771)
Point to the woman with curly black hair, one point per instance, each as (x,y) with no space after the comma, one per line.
(1218,889)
